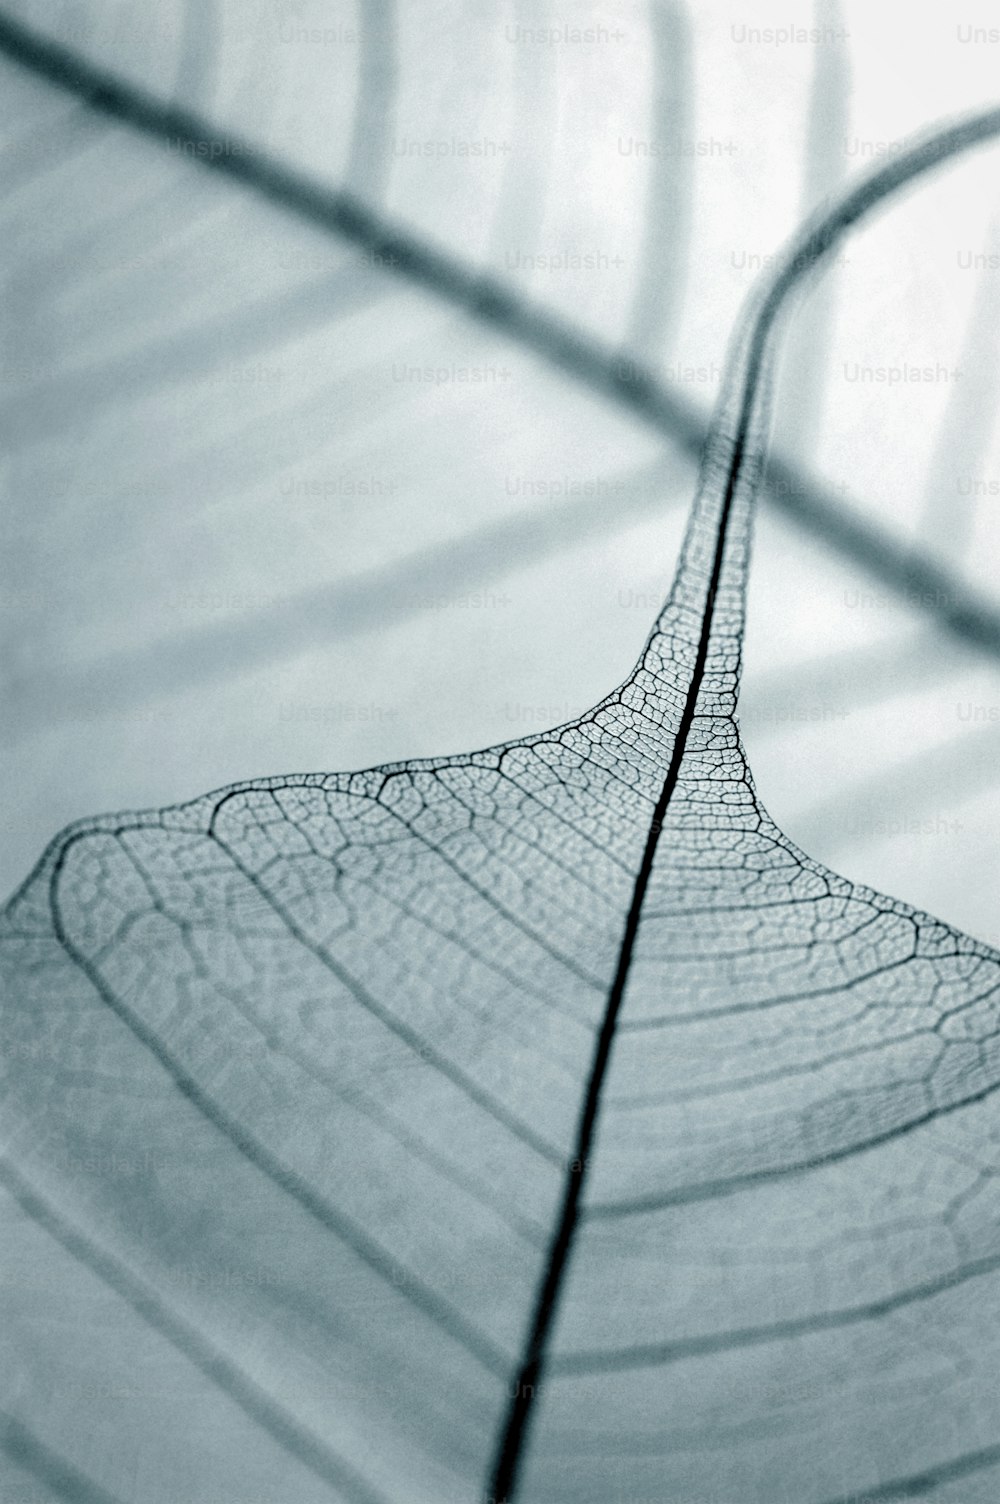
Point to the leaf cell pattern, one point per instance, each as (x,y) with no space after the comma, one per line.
(537,1123)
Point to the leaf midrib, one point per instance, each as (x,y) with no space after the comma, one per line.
(521,1405)
(806,251)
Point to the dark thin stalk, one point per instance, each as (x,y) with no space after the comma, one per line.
(818,238)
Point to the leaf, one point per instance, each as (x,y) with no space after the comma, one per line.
(534,1123)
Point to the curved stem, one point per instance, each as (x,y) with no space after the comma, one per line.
(723,488)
